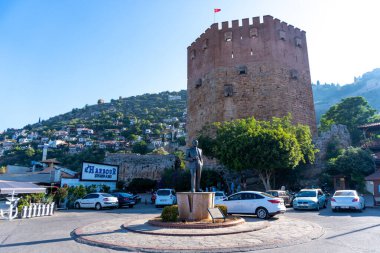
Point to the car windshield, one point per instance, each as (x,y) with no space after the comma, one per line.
(106,195)
(344,194)
(219,194)
(307,194)
(163,192)
(123,194)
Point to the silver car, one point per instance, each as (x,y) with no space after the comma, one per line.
(347,200)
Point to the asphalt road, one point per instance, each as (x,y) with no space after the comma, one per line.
(346,232)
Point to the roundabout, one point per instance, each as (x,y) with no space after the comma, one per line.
(253,234)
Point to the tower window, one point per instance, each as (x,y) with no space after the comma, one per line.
(198,83)
(192,54)
(298,42)
(293,74)
(205,44)
(253,32)
(242,69)
(282,35)
(228,90)
(228,36)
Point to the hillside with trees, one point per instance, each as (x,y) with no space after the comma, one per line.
(367,86)
(138,124)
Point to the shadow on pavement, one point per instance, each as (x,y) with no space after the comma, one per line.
(354,231)
(35,242)
(341,213)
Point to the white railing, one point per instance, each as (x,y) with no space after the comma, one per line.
(37,210)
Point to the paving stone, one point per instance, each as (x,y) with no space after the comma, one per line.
(281,232)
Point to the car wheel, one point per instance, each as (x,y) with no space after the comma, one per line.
(333,209)
(130,206)
(262,213)
(98,206)
(77,205)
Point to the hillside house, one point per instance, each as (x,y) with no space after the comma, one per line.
(56,143)
(85,131)
(370,132)
(33,135)
(23,140)
(44,139)
(61,134)
(172,98)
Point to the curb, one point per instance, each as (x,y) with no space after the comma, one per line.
(316,233)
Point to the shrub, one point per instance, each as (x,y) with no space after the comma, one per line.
(75,193)
(170,213)
(141,185)
(23,201)
(37,197)
(49,198)
(223,209)
(105,188)
(61,194)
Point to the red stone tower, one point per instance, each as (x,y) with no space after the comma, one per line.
(258,69)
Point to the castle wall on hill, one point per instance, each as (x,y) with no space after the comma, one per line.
(255,68)
(140,166)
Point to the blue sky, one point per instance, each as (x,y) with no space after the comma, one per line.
(59,55)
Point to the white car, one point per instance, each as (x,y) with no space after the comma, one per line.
(97,200)
(165,197)
(347,200)
(253,202)
(220,195)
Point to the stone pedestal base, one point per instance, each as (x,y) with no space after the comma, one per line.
(192,206)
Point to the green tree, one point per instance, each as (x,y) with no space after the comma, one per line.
(355,163)
(140,147)
(262,146)
(352,112)
(30,152)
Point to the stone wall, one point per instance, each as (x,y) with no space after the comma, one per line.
(258,69)
(337,133)
(140,166)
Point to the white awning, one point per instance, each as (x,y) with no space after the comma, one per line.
(8,187)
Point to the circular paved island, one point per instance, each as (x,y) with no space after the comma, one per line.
(254,234)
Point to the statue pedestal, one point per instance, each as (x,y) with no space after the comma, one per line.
(192,206)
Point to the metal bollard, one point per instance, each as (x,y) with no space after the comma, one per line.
(34,210)
(24,212)
(51,208)
(39,210)
(29,211)
(43,210)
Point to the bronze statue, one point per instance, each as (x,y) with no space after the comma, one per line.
(195,163)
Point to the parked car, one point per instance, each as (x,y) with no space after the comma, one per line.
(220,195)
(285,195)
(347,200)
(125,199)
(165,197)
(97,200)
(310,199)
(137,198)
(253,202)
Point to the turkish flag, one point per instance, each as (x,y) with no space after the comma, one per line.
(217,10)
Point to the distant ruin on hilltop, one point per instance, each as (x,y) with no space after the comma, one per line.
(259,69)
